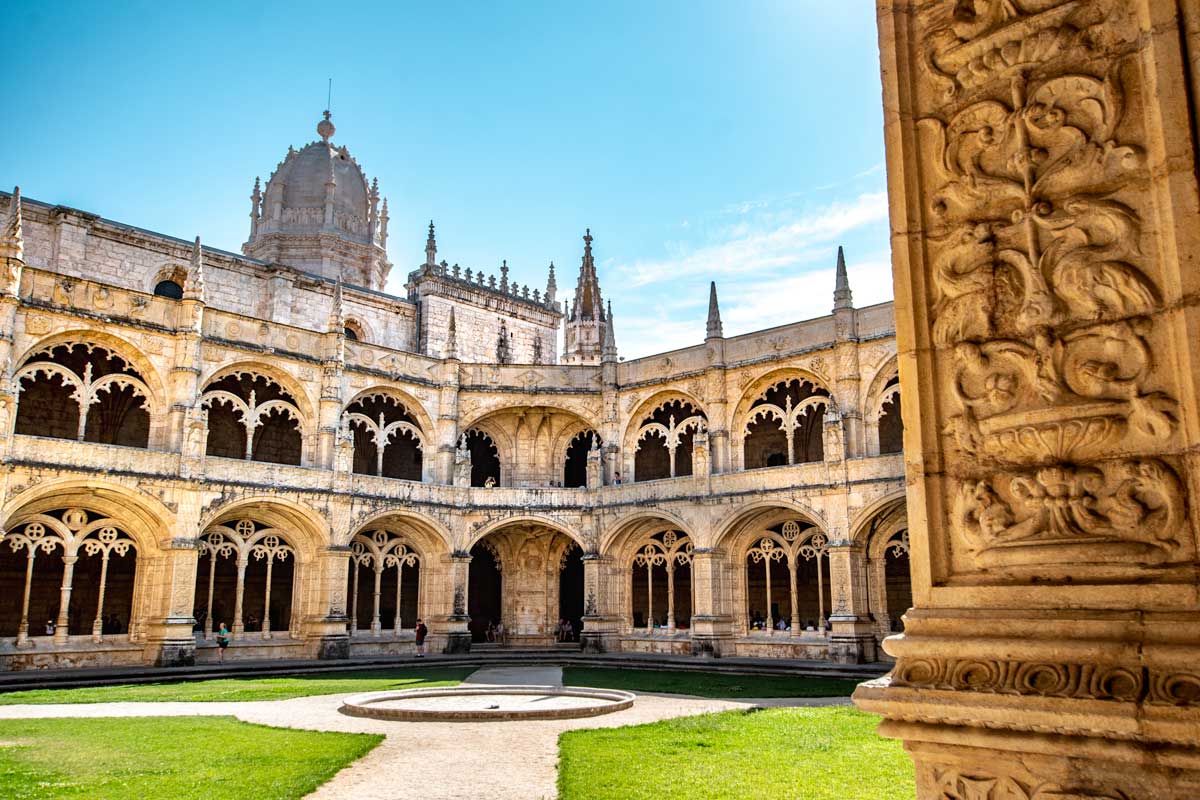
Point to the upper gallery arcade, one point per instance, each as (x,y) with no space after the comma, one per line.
(271,440)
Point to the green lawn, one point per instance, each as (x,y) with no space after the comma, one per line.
(704,684)
(224,689)
(775,754)
(178,757)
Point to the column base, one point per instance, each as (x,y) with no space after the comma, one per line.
(457,642)
(964,762)
(334,647)
(852,649)
(711,646)
(176,653)
(599,642)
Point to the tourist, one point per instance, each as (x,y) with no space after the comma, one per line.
(222,642)
(782,625)
(617,479)
(501,634)
(491,632)
(489,483)
(421,632)
(50,627)
(568,631)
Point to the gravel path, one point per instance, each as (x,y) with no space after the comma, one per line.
(431,760)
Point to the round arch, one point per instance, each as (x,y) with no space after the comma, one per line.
(873,397)
(284,379)
(735,524)
(309,528)
(411,404)
(147,521)
(647,407)
(477,535)
(635,525)
(430,536)
(756,390)
(888,509)
(122,348)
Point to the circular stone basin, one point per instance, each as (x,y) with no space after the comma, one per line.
(476,703)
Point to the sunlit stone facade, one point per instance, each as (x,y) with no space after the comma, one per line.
(191,436)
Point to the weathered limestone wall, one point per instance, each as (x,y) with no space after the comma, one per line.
(171,497)
(1042,171)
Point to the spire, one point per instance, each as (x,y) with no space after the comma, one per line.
(714,314)
(588,302)
(551,286)
(12,240)
(504,275)
(383,222)
(452,337)
(608,351)
(431,248)
(194,288)
(255,206)
(337,312)
(841,290)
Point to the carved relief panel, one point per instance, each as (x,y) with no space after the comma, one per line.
(1046,290)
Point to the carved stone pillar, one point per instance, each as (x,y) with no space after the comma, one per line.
(851,636)
(1046,241)
(454,625)
(712,622)
(327,633)
(601,617)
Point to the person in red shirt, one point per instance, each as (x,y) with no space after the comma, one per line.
(421,632)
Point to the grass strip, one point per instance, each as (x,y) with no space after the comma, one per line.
(178,757)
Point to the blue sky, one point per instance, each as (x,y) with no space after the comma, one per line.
(740,142)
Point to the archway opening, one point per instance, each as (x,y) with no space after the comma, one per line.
(897,570)
(785,425)
(84,392)
(575,466)
(387,439)
(384,583)
(252,417)
(485,458)
(570,593)
(661,582)
(484,591)
(665,441)
(891,423)
(245,576)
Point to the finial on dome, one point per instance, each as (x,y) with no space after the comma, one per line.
(325,128)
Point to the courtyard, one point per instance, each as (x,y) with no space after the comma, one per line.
(709,738)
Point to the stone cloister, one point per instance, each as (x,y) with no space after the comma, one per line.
(304,559)
(191,437)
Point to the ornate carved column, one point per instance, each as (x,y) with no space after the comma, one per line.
(326,631)
(601,617)
(454,625)
(712,622)
(852,636)
(1046,238)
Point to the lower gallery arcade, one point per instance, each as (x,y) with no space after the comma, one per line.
(95,577)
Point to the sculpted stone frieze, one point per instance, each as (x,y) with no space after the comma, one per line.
(1073,514)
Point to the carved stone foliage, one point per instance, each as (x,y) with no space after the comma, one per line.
(953,784)
(1044,294)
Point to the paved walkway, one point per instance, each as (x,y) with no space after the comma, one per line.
(431,760)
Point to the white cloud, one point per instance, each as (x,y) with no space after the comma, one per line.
(752,306)
(754,250)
